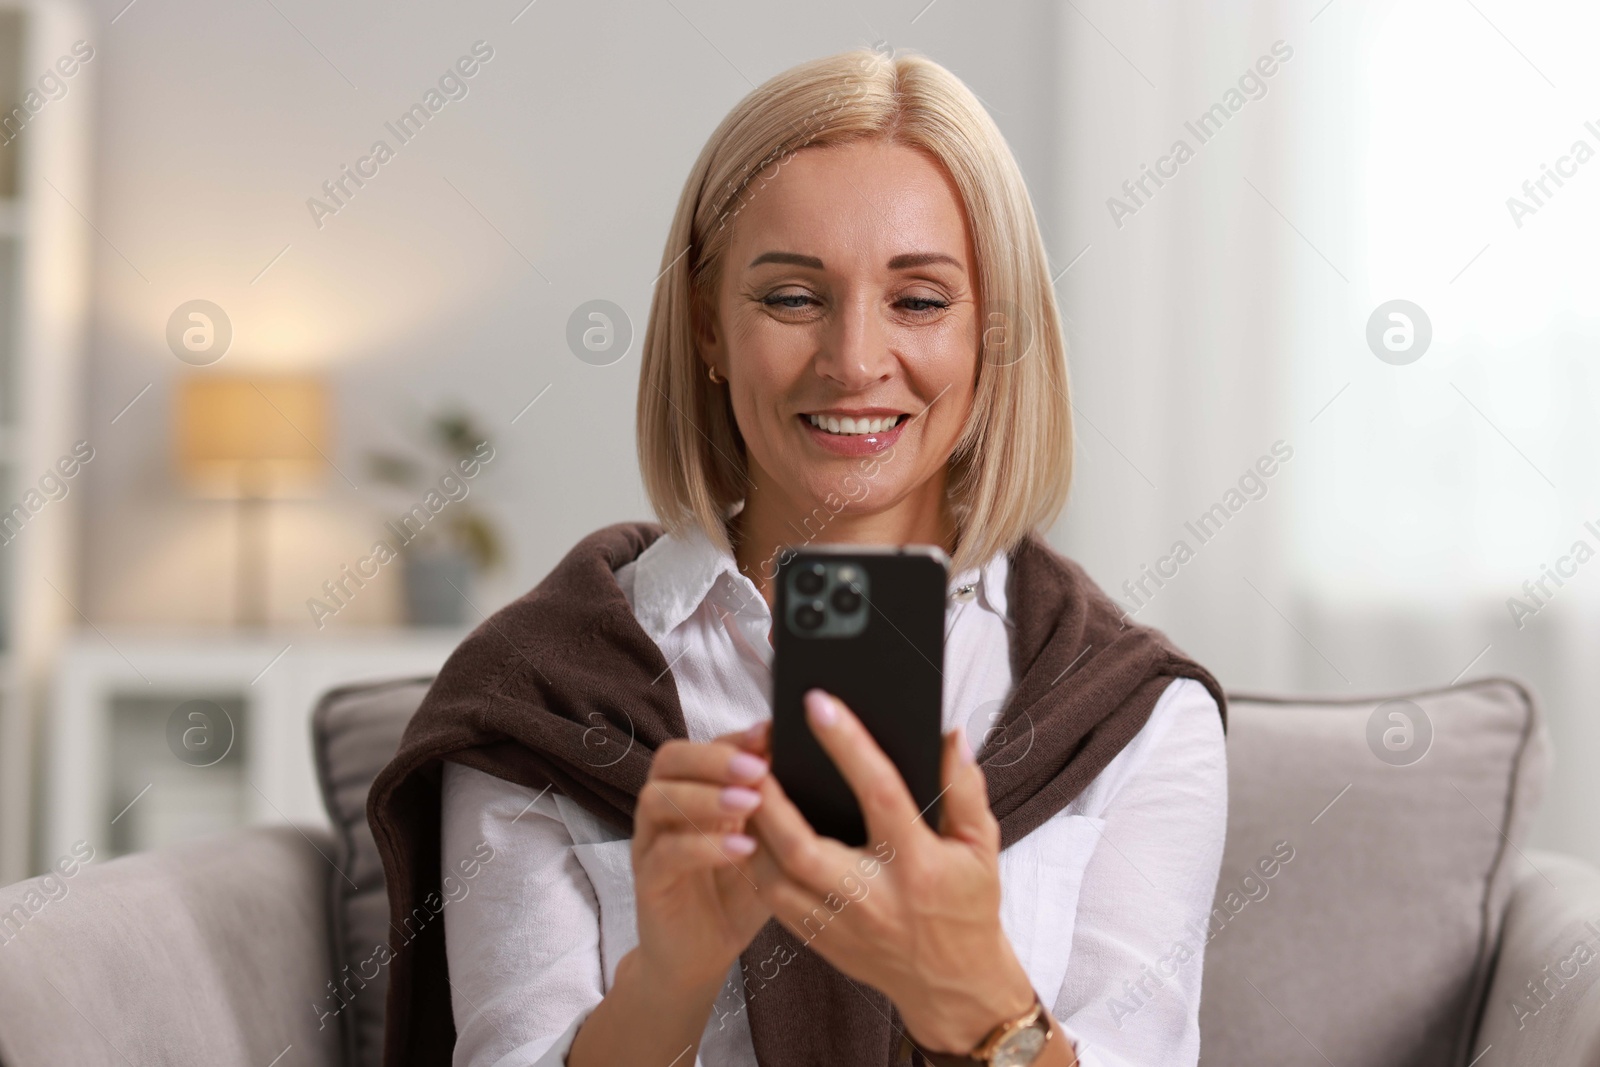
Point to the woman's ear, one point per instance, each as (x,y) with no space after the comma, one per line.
(707,335)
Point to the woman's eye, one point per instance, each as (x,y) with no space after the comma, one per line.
(916,305)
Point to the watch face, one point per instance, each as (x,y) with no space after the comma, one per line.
(1021,1048)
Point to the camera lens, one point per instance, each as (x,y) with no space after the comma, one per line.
(808,616)
(846,599)
(809,582)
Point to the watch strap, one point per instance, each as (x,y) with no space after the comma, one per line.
(952,1059)
(982,1054)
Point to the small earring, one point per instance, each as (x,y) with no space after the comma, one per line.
(716,379)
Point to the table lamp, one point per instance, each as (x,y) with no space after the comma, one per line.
(251,439)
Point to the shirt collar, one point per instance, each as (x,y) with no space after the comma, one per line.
(673,577)
(675,574)
(990,580)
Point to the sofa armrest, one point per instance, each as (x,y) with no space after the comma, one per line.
(209,952)
(1543,1006)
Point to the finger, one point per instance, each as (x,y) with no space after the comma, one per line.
(797,907)
(964,812)
(776,889)
(757,739)
(886,803)
(761,866)
(674,855)
(668,804)
(789,842)
(721,762)
(804,910)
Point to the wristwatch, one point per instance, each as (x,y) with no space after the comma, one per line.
(1014,1043)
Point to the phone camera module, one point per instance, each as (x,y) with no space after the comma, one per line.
(825,598)
(809,582)
(846,599)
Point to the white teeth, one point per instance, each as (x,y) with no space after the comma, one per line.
(852,426)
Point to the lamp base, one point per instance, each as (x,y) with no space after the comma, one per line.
(250,563)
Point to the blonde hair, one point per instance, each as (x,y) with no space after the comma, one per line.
(1010,469)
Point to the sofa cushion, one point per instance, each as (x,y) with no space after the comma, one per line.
(1369,942)
(356,730)
(1544,1002)
(1372,843)
(211,951)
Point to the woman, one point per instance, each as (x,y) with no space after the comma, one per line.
(853,340)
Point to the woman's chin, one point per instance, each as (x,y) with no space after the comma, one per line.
(850,496)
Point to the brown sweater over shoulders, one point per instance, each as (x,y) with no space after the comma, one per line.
(527,696)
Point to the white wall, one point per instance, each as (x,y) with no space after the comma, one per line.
(1201,331)
(1174,322)
(217,124)
(1230,310)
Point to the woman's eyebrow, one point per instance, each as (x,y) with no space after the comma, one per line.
(919,259)
(793,258)
(900,262)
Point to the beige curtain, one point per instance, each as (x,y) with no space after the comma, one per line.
(1223,311)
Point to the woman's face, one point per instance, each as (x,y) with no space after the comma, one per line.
(847,327)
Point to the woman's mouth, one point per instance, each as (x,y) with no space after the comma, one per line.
(855,435)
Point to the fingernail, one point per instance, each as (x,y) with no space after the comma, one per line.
(747,768)
(735,798)
(965,748)
(754,732)
(821,708)
(738,844)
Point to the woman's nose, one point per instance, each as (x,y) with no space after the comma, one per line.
(855,349)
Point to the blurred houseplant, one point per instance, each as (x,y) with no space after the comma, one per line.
(441,553)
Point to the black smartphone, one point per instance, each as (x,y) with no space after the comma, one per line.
(867,625)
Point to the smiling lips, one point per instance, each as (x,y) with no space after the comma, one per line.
(855,433)
(859,425)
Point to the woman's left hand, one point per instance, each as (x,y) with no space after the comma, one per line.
(915,914)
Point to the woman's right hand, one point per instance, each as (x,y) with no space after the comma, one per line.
(697,910)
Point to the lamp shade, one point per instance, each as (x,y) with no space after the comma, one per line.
(251,437)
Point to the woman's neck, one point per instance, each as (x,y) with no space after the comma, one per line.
(771,521)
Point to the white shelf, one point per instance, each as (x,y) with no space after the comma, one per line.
(47,300)
(279,689)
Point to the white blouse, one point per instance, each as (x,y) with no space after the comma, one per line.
(1106,903)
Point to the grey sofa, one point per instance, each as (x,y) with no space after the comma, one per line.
(1376,908)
